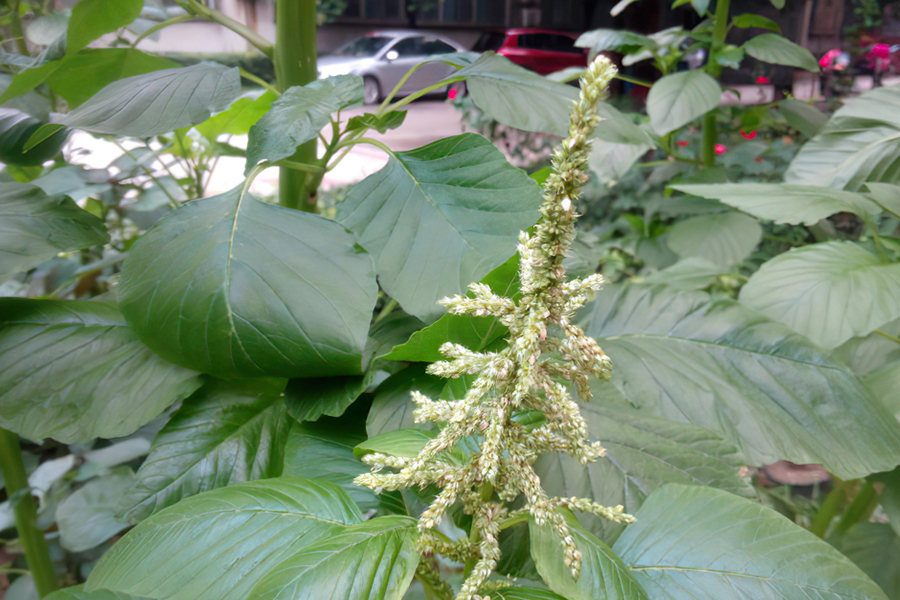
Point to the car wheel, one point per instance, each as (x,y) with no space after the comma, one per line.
(371,90)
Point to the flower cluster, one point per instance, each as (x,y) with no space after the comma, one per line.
(546,356)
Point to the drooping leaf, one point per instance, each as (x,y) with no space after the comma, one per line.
(392,408)
(700,6)
(157,102)
(729,56)
(829,292)
(298,115)
(884,383)
(233,286)
(887,196)
(518,97)
(748,20)
(220,544)
(603,574)
(719,365)
(382,552)
(803,116)
(642,453)
(475,333)
(16,128)
(610,161)
(785,203)
(77,592)
(74,371)
(723,238)
(227,432)
(35,227)
(88,517)
(679,98)
(776,49)
(688,274)
(865,354)
(694,543)
(391,120)
(440,217)
(239,118)
(860,143)
(599,40)
(94,18)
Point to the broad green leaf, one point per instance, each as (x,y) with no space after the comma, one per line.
(803,116)
(392,407)
(729,56)
(475,333)
(158,102)
(16,128)
(775,49)
(884,383)
(391,120)
(77,593)
(688,274)
(865,354)
(610,161)
(785,203)
(719,365)
(679,98)
(88,517)
(405,443)
(603,574)
(382,553)
(518,97)
(875,548)
(35,227)
(220,544)
(700,6)
(860,143)
(243,114)
(74,371)
(748,20)
(887,196)
(298,115)
(228,432)
(94,18)
(724,238)
(82,75)
(829,292)
(525,593)
(233,286)
(615,126)
(643,452)
(599,40)
(696,543)
(309,399)
(440,217)
(324,451)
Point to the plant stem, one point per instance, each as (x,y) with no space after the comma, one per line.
(261,43)
(16,26)
(710,132)
(860,509)
(258,80)
(831,506)
(887,335)
(32,539)
(295,64)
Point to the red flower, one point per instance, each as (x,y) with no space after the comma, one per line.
(720,148)
(748,136)
(881,51)
(682,144)
(758,159)
(762,80)
(451,94)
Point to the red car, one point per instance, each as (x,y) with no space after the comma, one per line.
(541,50)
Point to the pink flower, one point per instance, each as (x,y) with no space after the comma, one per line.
(758,159)
(451,94)
(682,144)
(762,80)
(881,51)
(748,136)
(720,148)
(828,61)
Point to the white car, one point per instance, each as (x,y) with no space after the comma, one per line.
(382,58)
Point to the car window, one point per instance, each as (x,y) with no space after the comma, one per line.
(433,47)
(364,46)
(409,47)
(492,40)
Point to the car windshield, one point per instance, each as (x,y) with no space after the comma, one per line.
(364,46)
(492,40)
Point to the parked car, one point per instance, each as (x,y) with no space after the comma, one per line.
(541,50)
(382,58)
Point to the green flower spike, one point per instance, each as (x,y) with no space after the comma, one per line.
(545,356)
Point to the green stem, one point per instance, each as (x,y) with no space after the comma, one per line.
(258,80)
(830,508)
(388,309)
(160,26)
(364,140)
(32,539)
(16,26)
(710,132)
(422,92)
(633,80)
(261,43)
(887,335)
(860,509)
(295,64)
